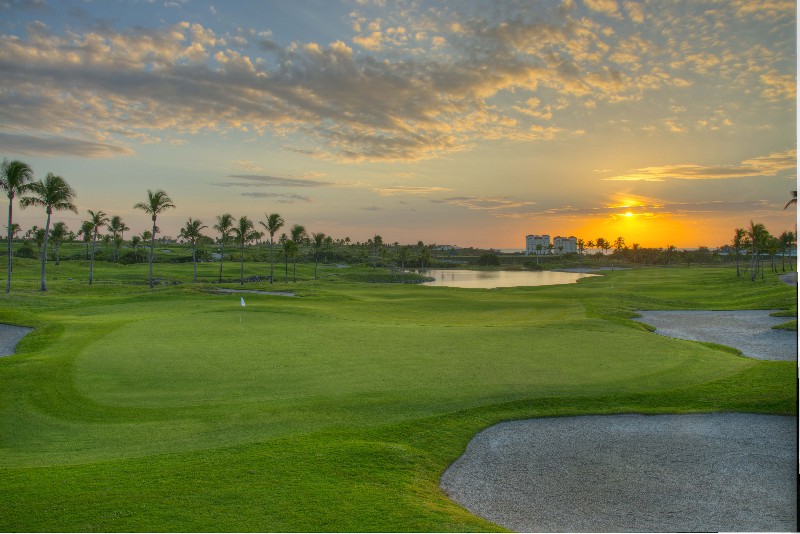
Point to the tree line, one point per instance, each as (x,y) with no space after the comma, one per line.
(54,194)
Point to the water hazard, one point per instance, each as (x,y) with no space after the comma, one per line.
(493,279)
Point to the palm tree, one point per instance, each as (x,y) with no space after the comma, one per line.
(273,224)
(14,179)
(318,242)
(619,244)
(157,202)
(192,232)
(243,233)
(786,240)
(223,226)
(290,249)
(52,193)
(792,201)
(58,234)
(96,221)
(756,235)
(86,233)
(635,247)
(581,244)
(739,236)
(298,236)
(117,227)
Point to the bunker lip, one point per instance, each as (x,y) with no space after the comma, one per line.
(10,335)
(750,331)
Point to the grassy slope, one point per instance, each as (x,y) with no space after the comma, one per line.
(131,409)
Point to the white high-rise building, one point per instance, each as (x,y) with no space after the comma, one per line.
(565,245)
(532,240)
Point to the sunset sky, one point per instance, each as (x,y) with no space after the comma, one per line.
(466,123)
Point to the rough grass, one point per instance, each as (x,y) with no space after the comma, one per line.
(131,409)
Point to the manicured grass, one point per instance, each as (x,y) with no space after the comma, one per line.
(131,409)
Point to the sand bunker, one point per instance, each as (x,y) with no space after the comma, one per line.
(674,473)
(10,336)
(750,331)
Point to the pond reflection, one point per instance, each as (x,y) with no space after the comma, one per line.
(492,279)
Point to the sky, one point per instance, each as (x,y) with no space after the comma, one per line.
(468,123)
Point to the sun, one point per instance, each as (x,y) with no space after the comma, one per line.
(628,214)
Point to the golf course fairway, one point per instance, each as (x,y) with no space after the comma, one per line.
(177,409)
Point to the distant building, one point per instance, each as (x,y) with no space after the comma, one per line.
(531,242)
(565,245)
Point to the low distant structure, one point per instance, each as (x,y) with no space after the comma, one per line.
(540,245)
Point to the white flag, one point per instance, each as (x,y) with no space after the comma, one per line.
(242,298)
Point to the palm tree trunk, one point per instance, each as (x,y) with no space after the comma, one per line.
(91,260)
(44,250)
(286,270)
(271,264)
(10,238)
(152,251)
(294,269)
(194,262)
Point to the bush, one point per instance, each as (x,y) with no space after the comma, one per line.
(25,251)
(489,260)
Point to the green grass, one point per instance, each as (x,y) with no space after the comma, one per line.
(130,409)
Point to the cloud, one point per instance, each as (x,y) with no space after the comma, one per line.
(31,145)
(258,180)
(283,198)
(607,7)
(246,164)
(491,204)
(769,165)
(395,98)
(409,190)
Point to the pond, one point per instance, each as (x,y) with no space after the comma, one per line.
(493,279)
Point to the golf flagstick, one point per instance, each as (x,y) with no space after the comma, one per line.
(240,310)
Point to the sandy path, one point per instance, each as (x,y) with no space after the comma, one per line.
(10,336)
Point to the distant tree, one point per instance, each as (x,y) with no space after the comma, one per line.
(635,248)
(581,245)
(786,240)
(273,224)
(157,202)
(86,235)
(756,236)
(192,232)
(135,242)
(298,236)
(377,246)
(290,251)
(318,241)
(118,228)
(15,178)
(243,233)
(96,220)
(223,226)
(619,244)
(52,193)
(739,236)
(489,260)
(58,234)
